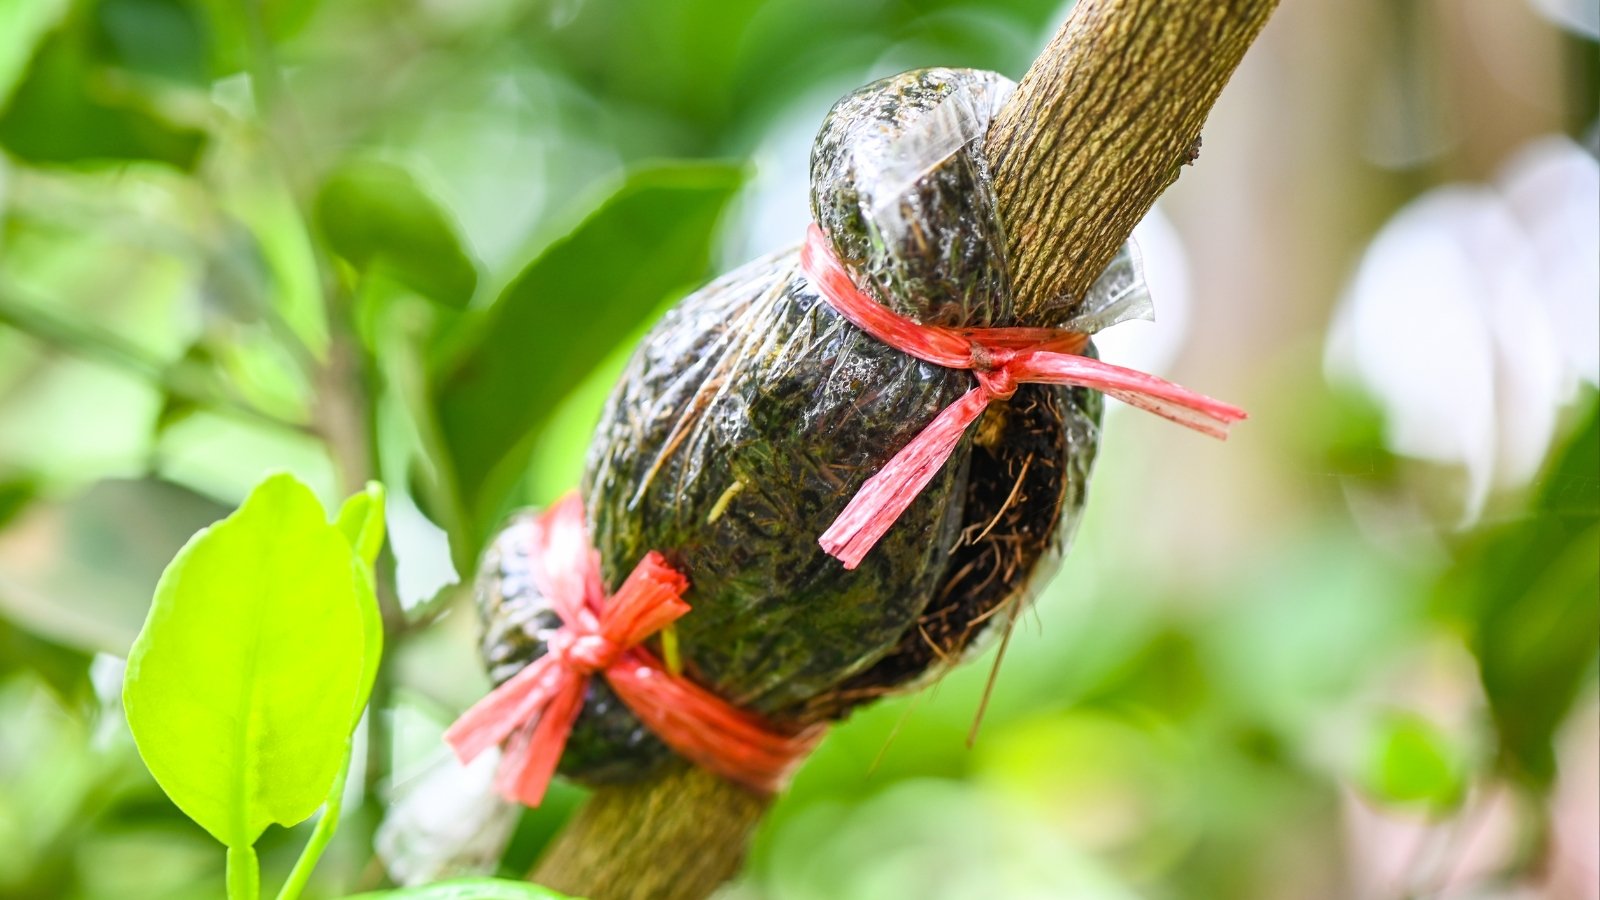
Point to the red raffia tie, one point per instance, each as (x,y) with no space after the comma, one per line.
(533,712)
(1000,359)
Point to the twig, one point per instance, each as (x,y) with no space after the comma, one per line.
(1100,125)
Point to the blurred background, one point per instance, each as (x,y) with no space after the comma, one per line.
(1350,653)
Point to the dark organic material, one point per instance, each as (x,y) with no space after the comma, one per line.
(608,743)
(753,411)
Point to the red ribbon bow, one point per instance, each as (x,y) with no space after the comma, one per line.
(533,712)
(1000,359)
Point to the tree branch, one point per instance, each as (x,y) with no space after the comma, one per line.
(1099,127)
(676,837)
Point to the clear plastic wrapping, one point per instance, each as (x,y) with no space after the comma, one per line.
(752,412)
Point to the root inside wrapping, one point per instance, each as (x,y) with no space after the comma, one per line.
(1015,489)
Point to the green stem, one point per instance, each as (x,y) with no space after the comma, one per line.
(244,874)
(320,836)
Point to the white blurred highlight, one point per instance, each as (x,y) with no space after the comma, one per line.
(446,821)
(1474,314)
(1578,16)
(421,550)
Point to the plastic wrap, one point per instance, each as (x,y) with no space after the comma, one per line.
(753,411)
(531,715)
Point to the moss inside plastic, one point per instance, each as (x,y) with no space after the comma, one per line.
(752,412)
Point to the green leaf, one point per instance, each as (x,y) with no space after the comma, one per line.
(1527,590)
(15,495)
(376,216)
(560,317)
(1571,486)
(68,109)
(240,30)
(1410,762)
(22,24)
(274,240)
(361,521)
(1536,645)
(239,690)
(468,889)
(164,38)
(65,669)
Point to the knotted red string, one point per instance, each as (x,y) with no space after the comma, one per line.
(533,712)
(1000,359)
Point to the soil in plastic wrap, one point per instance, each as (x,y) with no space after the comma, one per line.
(752,412)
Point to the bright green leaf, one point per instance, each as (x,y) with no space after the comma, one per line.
(1410,762)
(361,522)
(468,889)
(239,690)
(378,218)
(561,316)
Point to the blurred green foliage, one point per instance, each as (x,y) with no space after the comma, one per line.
(376,217)
(415,242)
(555,322)
(1412,762)
(1529,595)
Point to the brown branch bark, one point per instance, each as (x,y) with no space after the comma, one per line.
(676,837)
(1100,125)
(1098,128)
